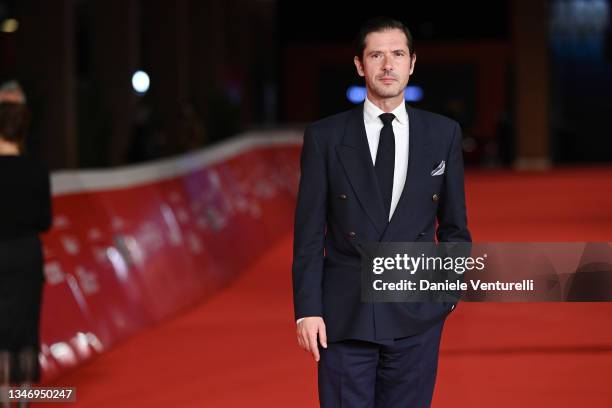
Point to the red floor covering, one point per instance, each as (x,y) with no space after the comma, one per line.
(238,349)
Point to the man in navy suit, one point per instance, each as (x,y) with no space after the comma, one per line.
(381,172)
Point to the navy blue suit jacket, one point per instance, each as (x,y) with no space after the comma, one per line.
(339,208)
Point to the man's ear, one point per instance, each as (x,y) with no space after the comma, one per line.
(358,66)
(412,63)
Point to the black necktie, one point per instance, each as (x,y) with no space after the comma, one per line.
(385,160)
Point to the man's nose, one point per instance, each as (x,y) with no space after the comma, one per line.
(387,65)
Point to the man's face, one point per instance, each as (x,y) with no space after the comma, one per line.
(12,96)
(386,65)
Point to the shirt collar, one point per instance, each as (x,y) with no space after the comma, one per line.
(371,112)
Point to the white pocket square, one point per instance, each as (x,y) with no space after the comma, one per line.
(439,170)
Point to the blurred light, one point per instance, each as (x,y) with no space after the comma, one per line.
(119,264)
(357,94)
(81,345)
(413,93)
(578,28)
(10,25)
(63,353)
(140,82)
(95,342)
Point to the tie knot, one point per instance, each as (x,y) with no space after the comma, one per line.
(386,118)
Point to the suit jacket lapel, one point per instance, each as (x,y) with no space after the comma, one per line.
(418,154)
(355,156)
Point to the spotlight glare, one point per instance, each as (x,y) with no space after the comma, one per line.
(140,82)
(10,25)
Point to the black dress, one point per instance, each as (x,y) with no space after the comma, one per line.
(25,211)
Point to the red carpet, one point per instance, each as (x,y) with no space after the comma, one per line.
(238,349)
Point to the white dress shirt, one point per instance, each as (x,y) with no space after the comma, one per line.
(373,126)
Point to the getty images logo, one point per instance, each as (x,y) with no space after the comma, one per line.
(412,264)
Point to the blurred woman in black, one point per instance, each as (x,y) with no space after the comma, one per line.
(25,211)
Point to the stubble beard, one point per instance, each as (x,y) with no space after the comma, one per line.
(388,91)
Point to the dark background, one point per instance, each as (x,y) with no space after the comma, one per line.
(529,81)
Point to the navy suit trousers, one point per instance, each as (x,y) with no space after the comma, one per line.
(360,374)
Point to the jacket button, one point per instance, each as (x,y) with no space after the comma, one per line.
(435,198)
(342,196)
(352,235)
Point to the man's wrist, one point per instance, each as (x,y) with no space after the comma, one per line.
(302,318)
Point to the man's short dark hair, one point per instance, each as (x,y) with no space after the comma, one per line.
(378,24)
